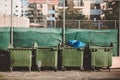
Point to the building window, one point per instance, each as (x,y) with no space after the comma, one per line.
(16,11)
(78,3)
(40,5)
(95,6)
(53,7)
(66,3)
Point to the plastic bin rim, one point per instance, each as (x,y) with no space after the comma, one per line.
(100,47)
(20,48)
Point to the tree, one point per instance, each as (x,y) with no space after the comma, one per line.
(113,13)
(72,15)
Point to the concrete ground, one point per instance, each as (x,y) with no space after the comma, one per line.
(61,75)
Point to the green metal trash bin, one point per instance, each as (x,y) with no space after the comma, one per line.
(20,57)
(101,57)
(72,57)
(46,57)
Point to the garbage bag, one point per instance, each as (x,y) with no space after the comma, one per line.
(78,44)
(71,42)
(75,43)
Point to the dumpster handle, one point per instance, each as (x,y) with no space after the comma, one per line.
(93,50)
(80,49)
(106,50)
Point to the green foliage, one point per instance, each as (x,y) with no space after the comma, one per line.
(113,13)
(72,15)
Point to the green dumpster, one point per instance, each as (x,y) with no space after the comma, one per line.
(101,57)
(46,57)
(72,57)
(20,57)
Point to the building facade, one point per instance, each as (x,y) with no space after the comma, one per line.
(37,14)
(6,7)
(10,14)
(42,13)
(90,8)
(24,5)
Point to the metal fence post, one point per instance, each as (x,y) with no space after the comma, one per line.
(11,28)
(119,30)
(99,25)
(63,28)
(115,24)
(79,23)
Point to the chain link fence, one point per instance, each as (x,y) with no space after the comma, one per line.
(89,24)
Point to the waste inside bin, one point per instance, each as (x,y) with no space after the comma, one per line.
(76,43)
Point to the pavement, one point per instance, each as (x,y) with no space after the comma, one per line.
(114,74)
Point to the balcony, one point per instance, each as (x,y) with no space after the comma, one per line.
(30,15)
(96,12)
(78,6)
(60,6)
(51,18)
(51,11)
(37,24)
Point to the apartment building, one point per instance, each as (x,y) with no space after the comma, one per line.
(95,9)
(42,13)
(6,7)
(24,5)
(52,13)
(37,15)
(110,6)
(10,14)
(90,8)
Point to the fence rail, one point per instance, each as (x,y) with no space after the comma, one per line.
(89,24)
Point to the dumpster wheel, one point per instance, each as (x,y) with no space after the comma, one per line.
(39,69)
(63,68)
(109,69)
(29,69)
(11,69)
(93,68)
(81,68)
(55,69)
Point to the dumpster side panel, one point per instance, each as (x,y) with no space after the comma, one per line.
(101,57)
(110,57)
(20,57)
(72,57)
(47,57)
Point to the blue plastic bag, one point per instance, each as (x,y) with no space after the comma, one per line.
(76,44)
(71,42)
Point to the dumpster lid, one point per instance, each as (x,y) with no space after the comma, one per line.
(10,46)
(100,47)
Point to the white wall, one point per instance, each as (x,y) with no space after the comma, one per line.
(5,7)
(44,9)
(5,21)
(86,9)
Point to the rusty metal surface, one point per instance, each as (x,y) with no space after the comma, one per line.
(61,75)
